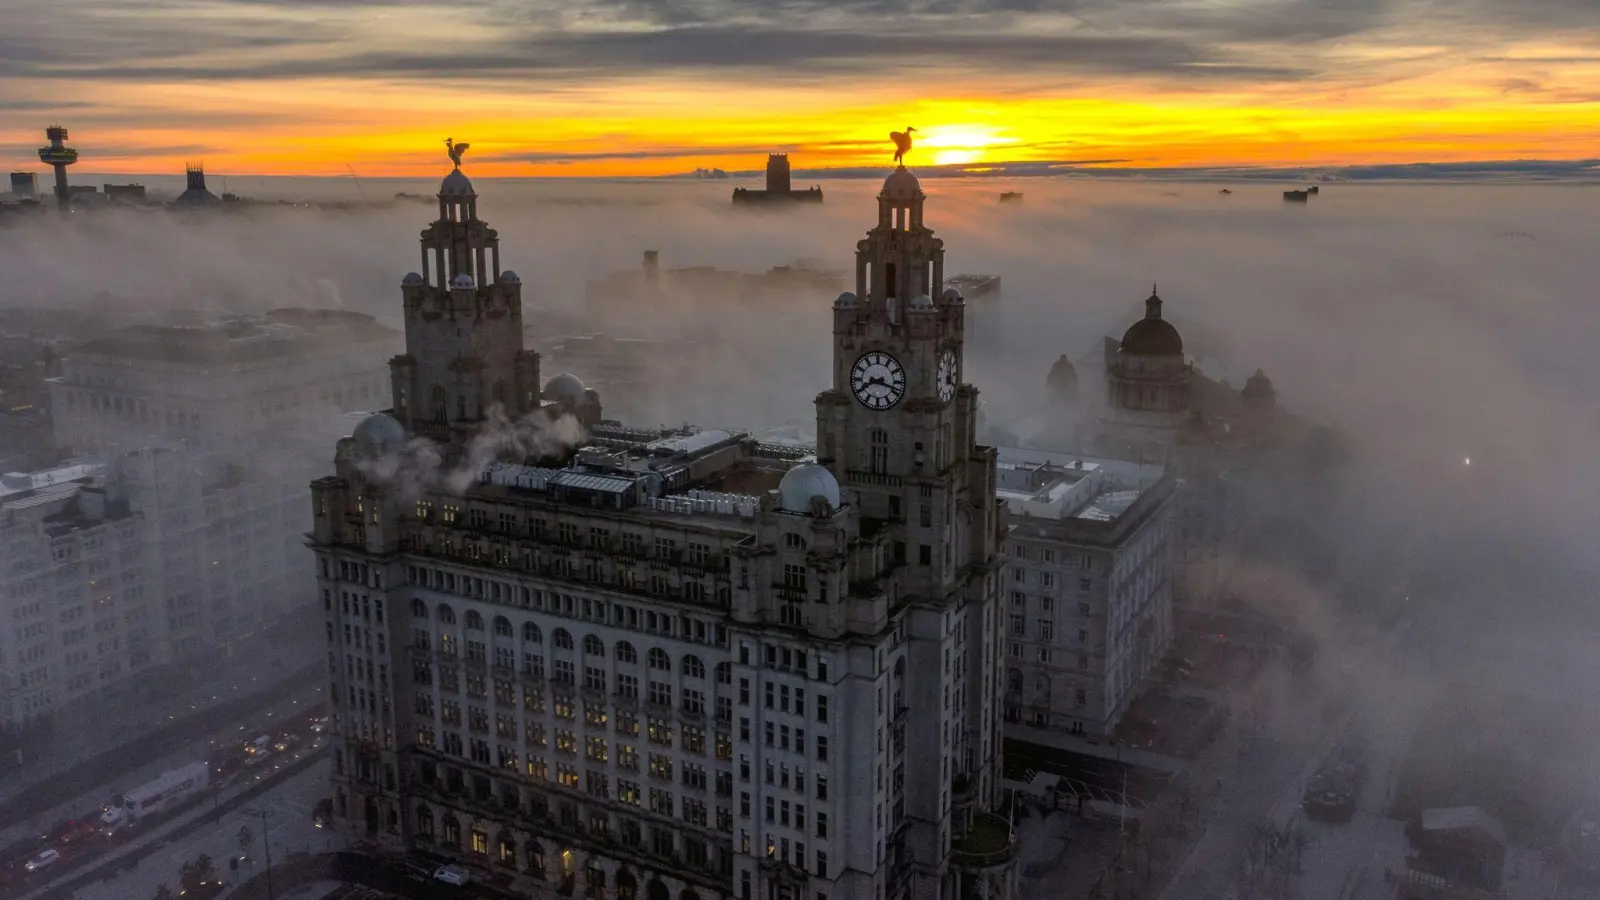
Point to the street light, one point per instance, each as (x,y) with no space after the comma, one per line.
(265,814)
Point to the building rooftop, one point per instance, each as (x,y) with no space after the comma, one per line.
(1045,484)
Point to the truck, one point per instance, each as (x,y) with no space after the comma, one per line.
(161,794)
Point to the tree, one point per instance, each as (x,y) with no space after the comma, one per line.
(196,872)
(244,839)
(163,893)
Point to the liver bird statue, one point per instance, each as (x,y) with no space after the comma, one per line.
(902,143)
(455,150)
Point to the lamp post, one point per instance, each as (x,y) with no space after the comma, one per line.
(266,840)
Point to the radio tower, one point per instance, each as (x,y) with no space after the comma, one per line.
(58,156)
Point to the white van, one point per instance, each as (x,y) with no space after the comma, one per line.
(45,858)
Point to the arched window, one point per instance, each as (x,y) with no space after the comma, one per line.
(693,667)
(563,639)
(626,653)
(1014,681)
(425,823)
(724,673)
(659,659)
(419,609)
(592,646)
(440,404)
(532,634)
(447,616)
(502,626)
(474,621)
(499,394)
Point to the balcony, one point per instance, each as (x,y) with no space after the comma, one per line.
(988,842)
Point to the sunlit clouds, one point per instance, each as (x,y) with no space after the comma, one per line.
(614,87)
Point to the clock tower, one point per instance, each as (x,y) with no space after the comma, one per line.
(897,430)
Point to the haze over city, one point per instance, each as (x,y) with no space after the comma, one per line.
(831,451)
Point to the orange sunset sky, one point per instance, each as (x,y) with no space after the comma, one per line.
(653,87)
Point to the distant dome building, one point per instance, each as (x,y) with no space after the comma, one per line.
(565,388)
(195,195)
(1063,380)
(1149,374)
(1258,394)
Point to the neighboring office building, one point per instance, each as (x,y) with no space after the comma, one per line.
(242,387)
(125,193)
(656,664)
(1087,587)
(779,189)
(114,566)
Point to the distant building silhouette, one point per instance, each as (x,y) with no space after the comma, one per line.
(125,193)
(778,189)
(24,185)
(196,196)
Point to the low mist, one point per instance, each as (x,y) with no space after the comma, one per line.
(1446,332)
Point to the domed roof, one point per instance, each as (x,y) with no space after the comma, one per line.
(1152,335)
(846,300)
(953,297)
(462,282)
(510,277)
(411,278)
(565,388)
(1063,378)
(922,301)
(379,434)
(804,482)
(456,185)
(1258,387)
(901,185)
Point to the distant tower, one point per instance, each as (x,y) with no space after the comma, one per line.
(58,156)
(778,173)
(196,194)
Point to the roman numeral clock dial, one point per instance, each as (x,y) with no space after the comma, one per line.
(878,380)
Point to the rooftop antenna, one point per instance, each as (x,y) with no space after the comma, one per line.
(357,180)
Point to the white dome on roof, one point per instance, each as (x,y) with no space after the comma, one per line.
(456,185)
(953,297)
(379,434)
(803,483)
(510,277)
(411,278)
(901,185)
(846,300)
(462,282)
(565,388)
(922,301)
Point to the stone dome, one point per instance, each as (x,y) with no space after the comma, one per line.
(462,282)
(953,297)
(847,300)
(1258,388)
(901,185)
(922,301)
(379,434)
(510,277)
(565,388)
(411,278)
(803,482)
(1152,335)
(456,185)
(1063,379)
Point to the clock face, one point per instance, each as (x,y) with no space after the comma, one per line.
(948,376)
(878,380)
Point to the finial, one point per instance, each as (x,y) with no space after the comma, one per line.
(902,144)
(455,150)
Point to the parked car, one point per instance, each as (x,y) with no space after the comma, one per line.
(451,875)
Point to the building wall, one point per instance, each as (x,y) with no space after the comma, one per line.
(1086,621)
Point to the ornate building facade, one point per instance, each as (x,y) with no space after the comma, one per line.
(671,665)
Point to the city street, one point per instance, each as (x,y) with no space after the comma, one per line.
(289,831)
